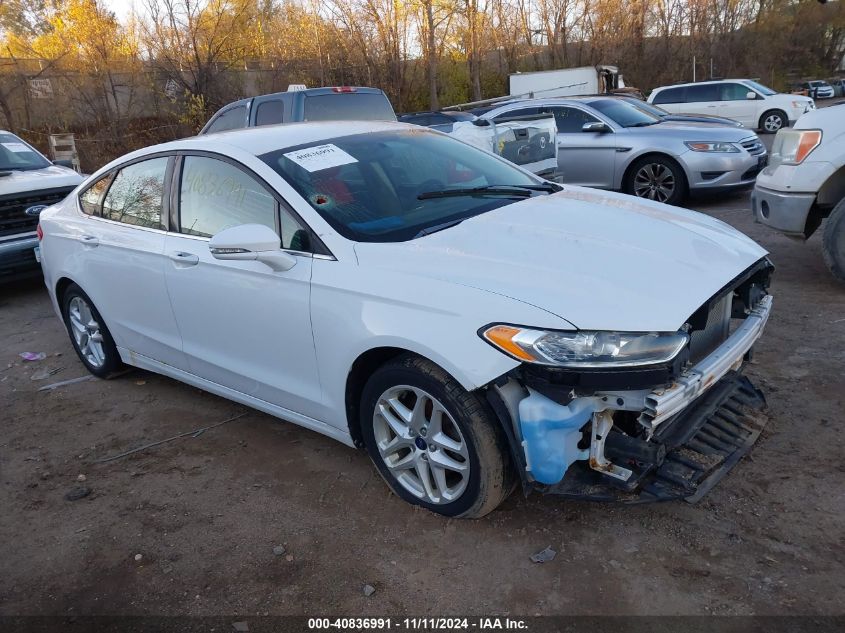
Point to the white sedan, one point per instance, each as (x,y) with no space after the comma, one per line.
(470,325)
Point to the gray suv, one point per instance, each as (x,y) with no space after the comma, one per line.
(340,103)
(608,143)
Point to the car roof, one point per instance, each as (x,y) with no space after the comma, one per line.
(699,83)
(322,90)
(268,138)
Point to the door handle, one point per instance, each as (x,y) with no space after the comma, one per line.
(185,259)
(89,240)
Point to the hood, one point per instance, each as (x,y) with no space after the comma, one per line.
(688,130)
(830,120)
(601,261)
(702,119)
(38,179)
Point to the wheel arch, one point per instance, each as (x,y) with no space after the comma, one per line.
(633,160)
(62,285)
(829,195)
(362,368)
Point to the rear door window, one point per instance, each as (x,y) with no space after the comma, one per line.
(701,93)
(570,119)
(136,195)
(270,112)
(518,112)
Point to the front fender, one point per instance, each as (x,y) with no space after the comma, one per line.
(356,309)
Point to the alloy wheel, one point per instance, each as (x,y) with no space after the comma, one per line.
(421,445)
(86,332)
(773,123)
(654,181)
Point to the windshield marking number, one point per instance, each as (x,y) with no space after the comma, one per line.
(320,157)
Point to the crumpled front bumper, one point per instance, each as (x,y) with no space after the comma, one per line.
(664,403)
(691,432)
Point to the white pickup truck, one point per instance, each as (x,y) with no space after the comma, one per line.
(805,183)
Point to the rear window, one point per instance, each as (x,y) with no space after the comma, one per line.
(348,106)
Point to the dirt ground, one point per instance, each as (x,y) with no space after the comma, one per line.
(189,527)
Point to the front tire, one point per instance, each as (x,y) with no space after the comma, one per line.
(833,241)
(772,121)
(88,333)
(435,444)
(657,178)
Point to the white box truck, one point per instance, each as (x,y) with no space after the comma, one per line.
(565,82)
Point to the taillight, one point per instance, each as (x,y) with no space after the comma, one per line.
(344,89)
(39,232)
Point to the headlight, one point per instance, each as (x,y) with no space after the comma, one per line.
(792,146)
(586,350)
(707,146)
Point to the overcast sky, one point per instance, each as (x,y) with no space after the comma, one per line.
(122,8)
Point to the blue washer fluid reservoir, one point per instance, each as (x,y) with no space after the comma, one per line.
(551,432)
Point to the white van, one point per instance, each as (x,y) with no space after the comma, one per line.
(752,104)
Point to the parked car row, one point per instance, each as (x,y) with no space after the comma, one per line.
(818,89)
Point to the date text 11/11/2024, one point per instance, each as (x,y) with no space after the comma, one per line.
(418,624)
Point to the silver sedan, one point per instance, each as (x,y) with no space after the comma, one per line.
(608,143)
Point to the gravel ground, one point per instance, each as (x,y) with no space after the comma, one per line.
(190,527)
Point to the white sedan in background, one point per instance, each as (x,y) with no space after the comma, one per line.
(469,324)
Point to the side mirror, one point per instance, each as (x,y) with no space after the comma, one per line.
(750,95)
(64,162)
(595,126)
(251,242)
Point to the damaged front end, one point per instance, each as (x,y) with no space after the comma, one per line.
(644,433)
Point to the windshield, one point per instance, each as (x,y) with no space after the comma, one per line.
(368,186)
(15,154)
(348,106)
(647,107)
(624,113)
(768,92)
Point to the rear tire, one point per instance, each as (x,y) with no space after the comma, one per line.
(772,121)
(88,333)
(833,241)
(657,178)
(436,445)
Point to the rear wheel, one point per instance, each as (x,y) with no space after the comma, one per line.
(88,333)
(435,444)
(772,121)
(657,178)
(833,241)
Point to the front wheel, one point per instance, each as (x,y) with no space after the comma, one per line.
(657,178)
(435,444)
(833,241)
(772,121)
